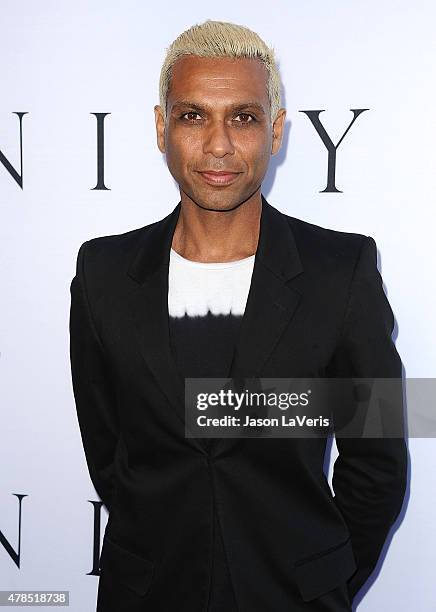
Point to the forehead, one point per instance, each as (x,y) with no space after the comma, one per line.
(212,78)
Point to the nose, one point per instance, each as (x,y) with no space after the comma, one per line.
(217,140)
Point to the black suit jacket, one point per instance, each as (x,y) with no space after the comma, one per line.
(316,308)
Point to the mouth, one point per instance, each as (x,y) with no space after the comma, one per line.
(219,178)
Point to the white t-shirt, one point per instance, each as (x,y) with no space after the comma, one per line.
(196,288)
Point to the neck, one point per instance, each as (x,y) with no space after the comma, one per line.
(218,235)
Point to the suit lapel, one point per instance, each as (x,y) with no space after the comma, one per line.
(149,309)
(270,306)
(271,301)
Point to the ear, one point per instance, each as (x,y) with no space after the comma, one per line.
(160,128)
(278,128)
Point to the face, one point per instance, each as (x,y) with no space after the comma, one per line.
(218,120)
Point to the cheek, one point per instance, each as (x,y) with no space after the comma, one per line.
(182,150)
(253,146)
(256,155)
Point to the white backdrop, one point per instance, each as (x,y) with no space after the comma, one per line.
(62,61)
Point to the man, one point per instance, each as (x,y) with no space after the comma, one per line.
(226,285)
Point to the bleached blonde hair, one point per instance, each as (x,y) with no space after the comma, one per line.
(221,39)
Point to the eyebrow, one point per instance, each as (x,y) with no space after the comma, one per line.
(233,107)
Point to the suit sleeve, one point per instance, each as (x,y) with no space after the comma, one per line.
(93,389)
(370,474)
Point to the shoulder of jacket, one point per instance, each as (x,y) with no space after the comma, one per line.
(317,240)
(117,243)
(106,258)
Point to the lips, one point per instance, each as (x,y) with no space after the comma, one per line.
(219,178)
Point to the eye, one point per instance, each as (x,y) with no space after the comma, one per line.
(189,113)
(246,115)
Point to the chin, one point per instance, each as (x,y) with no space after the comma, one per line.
(220,205)
(212,201)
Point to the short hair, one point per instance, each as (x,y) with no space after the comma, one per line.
(221,39)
